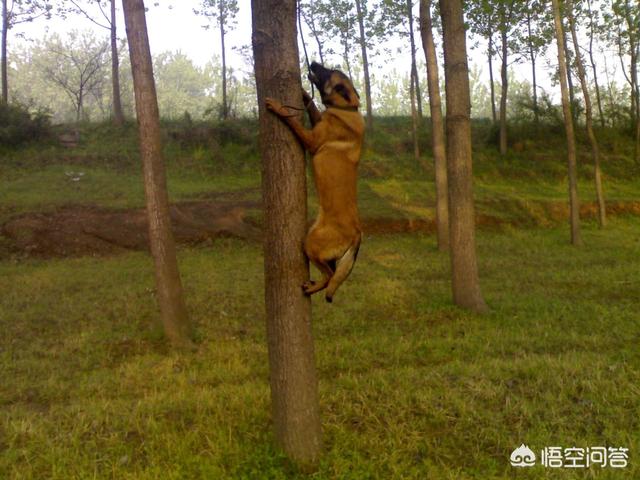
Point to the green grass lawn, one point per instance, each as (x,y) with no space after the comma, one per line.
(410,386)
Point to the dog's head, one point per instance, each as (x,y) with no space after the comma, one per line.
(334,86)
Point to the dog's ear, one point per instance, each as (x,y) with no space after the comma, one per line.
(342,90)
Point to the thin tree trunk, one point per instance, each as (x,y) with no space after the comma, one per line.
(312,26)
(365,65)
(169,287)
(225,102)
(503,97)
(414,119)
(595,150)
(3,60)
(568,122)
(437,125)
(572,95)
(118,116)
(532,56)
(492,86)
(294,386)
(414,68)
(465,282)
(593,64)
(79,106)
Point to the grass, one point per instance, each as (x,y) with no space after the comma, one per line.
(410,386)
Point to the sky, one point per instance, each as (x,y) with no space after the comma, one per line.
(173,26)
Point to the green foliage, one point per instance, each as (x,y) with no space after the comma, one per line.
(18,125)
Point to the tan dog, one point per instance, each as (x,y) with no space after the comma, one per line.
(335,142)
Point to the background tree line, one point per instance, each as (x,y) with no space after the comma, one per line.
(79,76)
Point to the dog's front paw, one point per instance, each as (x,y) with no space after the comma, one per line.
(274,105)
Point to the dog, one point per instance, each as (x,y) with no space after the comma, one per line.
(335,143)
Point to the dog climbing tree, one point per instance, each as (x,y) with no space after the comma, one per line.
(294,390)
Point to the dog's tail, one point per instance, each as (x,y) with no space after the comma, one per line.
(344,265)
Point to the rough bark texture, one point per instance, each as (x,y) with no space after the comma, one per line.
(118,116)
(169,287)
(595,150)
(294,389)
(503,95)
(437,125)
(464,268)
(365,65)
(568,122)
(3,54)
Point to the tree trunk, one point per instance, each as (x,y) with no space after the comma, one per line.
(365,65)
(414,68)
(593,64)
(491,83)
(79,106)
(3,59)
(465,282)
(532,56)
(414,118)
(294,387)
(118,116)
(503,92)
(572,95)
(169,287)
(595,150)
(225,102)
(568,122)
(437,125)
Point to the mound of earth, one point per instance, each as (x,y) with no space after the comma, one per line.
(80,230)
(83,230)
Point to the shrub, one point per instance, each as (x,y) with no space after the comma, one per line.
(18,125)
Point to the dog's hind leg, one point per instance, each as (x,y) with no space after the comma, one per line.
(310,287)
(344,265)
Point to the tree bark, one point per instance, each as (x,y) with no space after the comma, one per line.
(574,206)
(595,150)
(593,65)
(503,93)
(294,388)
(118,116)
(225,102)
(437,125)
(414,118)
(465,282)
(365,65)
(414,68)
(173,311)
(532,56)
(492,86)
(572,95)
(3,59)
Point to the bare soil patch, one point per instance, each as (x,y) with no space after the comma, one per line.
(87,230)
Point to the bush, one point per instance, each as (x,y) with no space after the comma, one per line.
(18,125)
